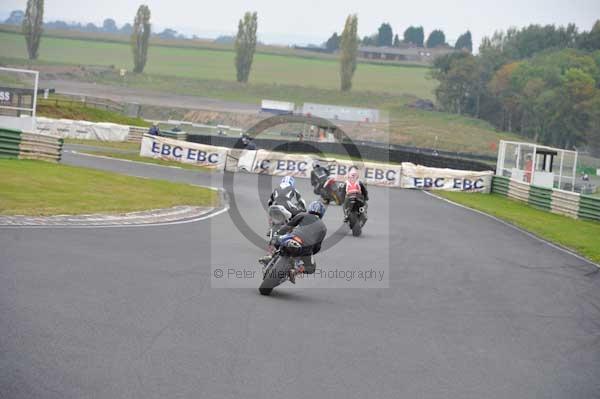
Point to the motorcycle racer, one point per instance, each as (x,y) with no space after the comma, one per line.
(353,186)
(301,238)
(287,196)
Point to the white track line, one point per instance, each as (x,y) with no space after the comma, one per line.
(549,243)
(176,222)
(207,215)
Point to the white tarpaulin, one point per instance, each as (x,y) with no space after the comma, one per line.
(425,178)
(183,151)
(406,175)
(299,165)
(67,128)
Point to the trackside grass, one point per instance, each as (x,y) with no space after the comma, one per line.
(64,110)
(581,236)
(108,145)
(42,189)
(154,161)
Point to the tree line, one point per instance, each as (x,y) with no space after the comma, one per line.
(541,82)
(413,36)
(109,25)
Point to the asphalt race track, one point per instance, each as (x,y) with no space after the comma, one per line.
(148,97)
(474,309)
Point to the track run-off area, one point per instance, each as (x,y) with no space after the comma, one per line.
(473,308)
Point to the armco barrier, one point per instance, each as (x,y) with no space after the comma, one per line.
(136,133)
(556,201)
(370,151)
(16,144)
(173,135)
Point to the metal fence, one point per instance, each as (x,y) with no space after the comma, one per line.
(68,100)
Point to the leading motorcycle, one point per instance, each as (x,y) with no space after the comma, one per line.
(357,213)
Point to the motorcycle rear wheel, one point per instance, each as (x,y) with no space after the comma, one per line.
(275,275)
(355,224)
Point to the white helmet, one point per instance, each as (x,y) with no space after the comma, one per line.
(287,181)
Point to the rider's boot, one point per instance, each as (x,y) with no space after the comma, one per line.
(294,271)
(264,260)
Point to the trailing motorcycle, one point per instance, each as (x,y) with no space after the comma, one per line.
(357,213)
(332,190)
(277,270)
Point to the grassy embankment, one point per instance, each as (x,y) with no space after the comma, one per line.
(66,109)
(581,236)
(210,73)
(40,188)
(218,65)
(154,161)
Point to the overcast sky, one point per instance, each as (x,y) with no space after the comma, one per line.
(301,22)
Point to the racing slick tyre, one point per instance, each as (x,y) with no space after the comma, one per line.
(355,225)
(275,275)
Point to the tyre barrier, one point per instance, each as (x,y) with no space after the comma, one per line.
(566,203)
(174,135)
(9,143)
(136,133)
(15,144)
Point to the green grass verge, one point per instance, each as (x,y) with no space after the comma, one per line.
(67,110)
(137,158)
(109,145)
(581,236)
(42,189)
(445,131)
(209,64)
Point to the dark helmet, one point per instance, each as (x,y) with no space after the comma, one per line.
(317,208)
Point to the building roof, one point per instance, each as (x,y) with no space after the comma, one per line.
(414,51)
